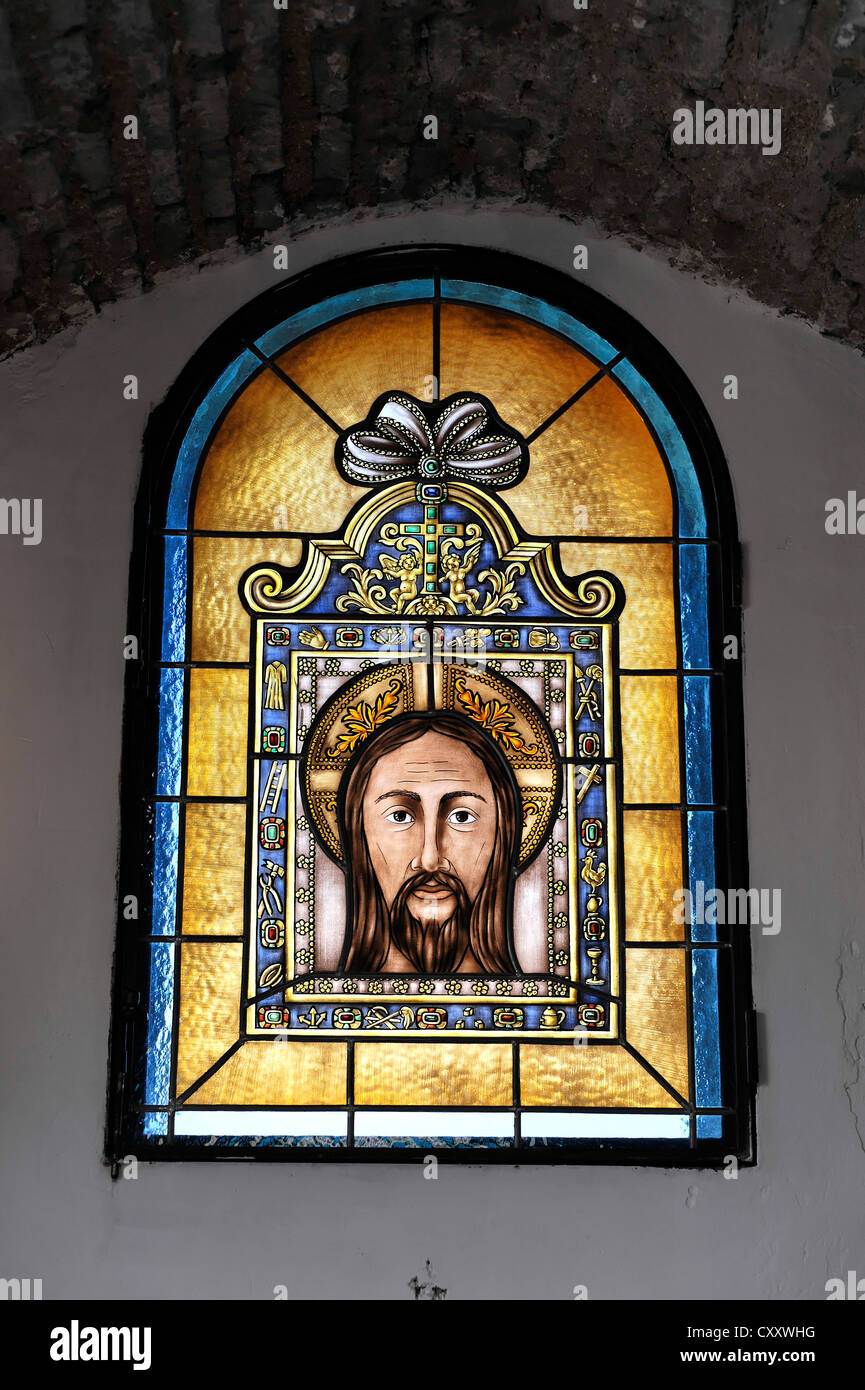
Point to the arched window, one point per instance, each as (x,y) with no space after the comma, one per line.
(433,753)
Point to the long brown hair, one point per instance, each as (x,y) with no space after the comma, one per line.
(368,935)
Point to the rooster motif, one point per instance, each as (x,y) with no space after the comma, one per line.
(594,877)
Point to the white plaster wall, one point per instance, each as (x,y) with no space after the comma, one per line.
(793,439)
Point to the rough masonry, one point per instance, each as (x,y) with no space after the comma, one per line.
(254,121)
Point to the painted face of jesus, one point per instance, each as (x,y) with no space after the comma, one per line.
(429,810)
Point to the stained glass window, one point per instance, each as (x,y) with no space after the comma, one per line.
(433,723)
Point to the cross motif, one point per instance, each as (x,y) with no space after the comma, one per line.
(591,776)
(430,532)
(461,438)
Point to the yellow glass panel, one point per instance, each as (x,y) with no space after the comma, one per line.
(601,456)
(218,703)
(220,624)
(647,627)
(650,738)
(273,1072)
(656,1013)
(270,466)
(525,371)
(213,869)
(209,999)
(433,1074)
(345,367)
(653,874)
(586,1076)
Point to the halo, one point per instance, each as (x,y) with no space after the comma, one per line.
(376,696)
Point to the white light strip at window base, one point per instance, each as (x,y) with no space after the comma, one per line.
(561,1124)
(263,1123)
(420,1124)
(426,1124)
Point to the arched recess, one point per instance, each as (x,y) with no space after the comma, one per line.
(623,477)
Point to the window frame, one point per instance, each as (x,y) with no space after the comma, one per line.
(164,434)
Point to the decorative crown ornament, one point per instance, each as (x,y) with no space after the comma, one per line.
(458,441)
(461,437)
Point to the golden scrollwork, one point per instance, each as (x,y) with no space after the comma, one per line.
(459,555)
(596,594)
(495,716)
(366,595)
(266,590)
(363,719)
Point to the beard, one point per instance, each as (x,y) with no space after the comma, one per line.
(432,947)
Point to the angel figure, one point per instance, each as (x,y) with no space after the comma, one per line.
(455,571)
(407,570)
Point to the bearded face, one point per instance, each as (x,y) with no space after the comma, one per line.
(429,922)
(431,824)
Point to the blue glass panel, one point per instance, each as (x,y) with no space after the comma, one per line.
(160,1012)
(701,871)
(707,1048)
(170,731)
(692,513)
(709,1126)
(431,1141)
(165,867)
(255,1141)
(275,339)
(156,1122)
(698,740)
(174,611)
(693,588)
(234,376)
(531,308)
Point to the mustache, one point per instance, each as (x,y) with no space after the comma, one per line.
(431,948)
(439,879)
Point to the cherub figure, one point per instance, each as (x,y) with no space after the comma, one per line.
(455,571)
(406,569)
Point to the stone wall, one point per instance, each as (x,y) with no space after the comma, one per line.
(256,122)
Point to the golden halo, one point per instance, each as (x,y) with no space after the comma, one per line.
(382,693)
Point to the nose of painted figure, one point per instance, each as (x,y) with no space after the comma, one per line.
(430,859)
